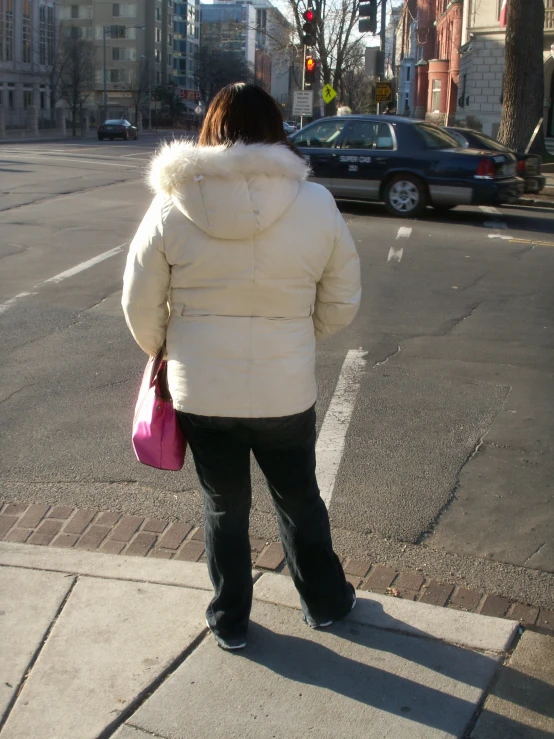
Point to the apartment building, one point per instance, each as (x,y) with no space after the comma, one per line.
(27,47)
(482,65)
(136,40)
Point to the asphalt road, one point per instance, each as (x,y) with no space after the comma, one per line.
(447,463)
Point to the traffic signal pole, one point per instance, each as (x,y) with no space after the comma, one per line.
(303,82)
(383,35)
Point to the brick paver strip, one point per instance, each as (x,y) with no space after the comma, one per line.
(409,581)
(6,522)
(19,536)
(257,545)
(355,581)
(525,614)
(15,509)
(191,551)
(546,619)
(380,578)
(65,541)
(93,538)
(46,532)
(272,557)
(404,593)
(466,600)
(61,511)
(34,515)
(357,567)
(436,593)
(494,605)
(126,528)
(198,535)
(155,525)
(174,537)
(141,545)
(161,553)
(112,547)
(78,522)
(108,518)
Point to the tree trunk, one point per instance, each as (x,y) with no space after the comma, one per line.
(523,75)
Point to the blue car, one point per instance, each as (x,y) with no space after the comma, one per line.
(406,164)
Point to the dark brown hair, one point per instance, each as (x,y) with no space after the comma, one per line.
(242,112)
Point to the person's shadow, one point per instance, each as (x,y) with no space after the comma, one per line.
(357,667)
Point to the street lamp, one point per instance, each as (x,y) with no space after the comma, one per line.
(104,30)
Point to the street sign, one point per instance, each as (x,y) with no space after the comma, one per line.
(328,93)
(303,102)
(383,92)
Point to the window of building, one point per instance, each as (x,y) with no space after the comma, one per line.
(170,40)
(11,94)
(158,35)
(116,32)
(27,97)
(169,60)
(50,34)
(8,54)
(157,55)
(26,31)
(42,97)
(436,96)
(74,11)
(124,54)
(124,10)
(42,34)
(158,14)
(408,70)
(158,78)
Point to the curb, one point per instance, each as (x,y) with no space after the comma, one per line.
(115,533)
(530,202)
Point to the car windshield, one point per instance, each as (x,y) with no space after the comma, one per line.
(117,122)
(435,137)
(486,142)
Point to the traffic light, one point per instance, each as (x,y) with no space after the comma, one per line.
(310,70)
(309,27)
(368,11)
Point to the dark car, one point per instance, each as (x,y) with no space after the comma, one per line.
(407,164)
(528,165)
(117,129)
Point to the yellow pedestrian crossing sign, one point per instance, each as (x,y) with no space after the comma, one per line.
(328,93)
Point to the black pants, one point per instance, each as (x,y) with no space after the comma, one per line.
(285,450)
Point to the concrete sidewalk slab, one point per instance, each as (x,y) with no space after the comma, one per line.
(29,602)
(96,564)
(111,641)
(521,705)
(293,681)
(420,619)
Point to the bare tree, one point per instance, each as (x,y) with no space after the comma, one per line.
(137,85)
(216,68)
(336,23)
(523,76)
(56,62)
(77,78)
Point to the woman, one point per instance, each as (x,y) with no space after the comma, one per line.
(239,266)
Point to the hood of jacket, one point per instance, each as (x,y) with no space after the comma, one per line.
(231,192)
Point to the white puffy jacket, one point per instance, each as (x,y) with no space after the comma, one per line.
(239,264)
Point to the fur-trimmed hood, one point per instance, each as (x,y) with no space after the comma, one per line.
(229,192)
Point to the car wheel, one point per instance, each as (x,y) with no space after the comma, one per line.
(443,208)
(405,196)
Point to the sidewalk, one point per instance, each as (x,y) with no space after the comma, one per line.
(98,645)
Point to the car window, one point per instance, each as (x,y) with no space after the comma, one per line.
(360,135)
(384,137)
(459,137)
(434,137)
(487,143)
(323,135)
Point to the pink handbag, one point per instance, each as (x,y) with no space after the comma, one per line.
(157,437)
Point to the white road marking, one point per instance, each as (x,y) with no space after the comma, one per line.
(489,209)
(74,159)
(64,275)
(495,224)
(500,236)
(395,254)
(404,232)
(330,443)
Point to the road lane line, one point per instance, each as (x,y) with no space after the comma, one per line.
(331,439)
(404,232)
(54,159)
(64,275)
(84,265)
(500,236)
(489,209)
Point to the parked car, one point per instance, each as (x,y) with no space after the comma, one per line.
(289,129)
(405,163)
(528,165)
(117,129)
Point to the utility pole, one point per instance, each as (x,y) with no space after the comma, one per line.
(383,35)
